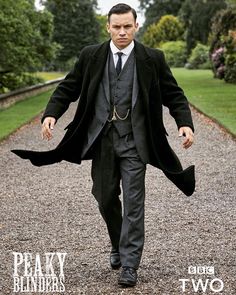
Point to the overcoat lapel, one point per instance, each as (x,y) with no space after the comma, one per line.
(106,84)
(97,66)
(135,87)
(144,70)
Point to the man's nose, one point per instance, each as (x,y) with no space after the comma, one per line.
(122,32)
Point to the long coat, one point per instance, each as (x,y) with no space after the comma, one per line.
(157,87)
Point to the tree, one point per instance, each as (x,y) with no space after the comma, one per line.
(197,16)
(26,40)
(75,27)
(103,34)
(155,9)
(169,28)
(231,2)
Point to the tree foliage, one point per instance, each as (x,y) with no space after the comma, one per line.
(103,34)
(26,40)
(223,21)
(155,9)
(231,2)
(197,16)
(223,45)
(25,36)
(169,28)
(75,26)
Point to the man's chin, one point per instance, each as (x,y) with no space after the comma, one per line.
(122,43)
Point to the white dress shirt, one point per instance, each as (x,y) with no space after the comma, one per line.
(126,52)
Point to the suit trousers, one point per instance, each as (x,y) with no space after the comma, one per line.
(116,160)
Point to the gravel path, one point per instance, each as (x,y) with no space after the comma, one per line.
(51,209)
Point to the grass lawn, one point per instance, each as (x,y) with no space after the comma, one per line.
(212,96)
(21,113)
(47,76)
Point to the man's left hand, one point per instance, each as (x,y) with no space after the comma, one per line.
(188,133)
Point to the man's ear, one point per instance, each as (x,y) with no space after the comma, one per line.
(137,27)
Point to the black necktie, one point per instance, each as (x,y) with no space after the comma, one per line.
(119,63)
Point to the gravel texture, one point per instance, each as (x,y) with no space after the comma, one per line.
(51,209)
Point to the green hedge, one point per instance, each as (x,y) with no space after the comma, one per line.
(13,81)
(199,58)
(175,53)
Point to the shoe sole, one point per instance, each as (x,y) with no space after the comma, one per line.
(126,283)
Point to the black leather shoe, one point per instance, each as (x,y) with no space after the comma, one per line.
(128,277)
(115,259)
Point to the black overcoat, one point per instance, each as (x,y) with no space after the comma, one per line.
(157,87)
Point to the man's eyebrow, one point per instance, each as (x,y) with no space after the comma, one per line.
(121,25)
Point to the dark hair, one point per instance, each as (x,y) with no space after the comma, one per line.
(120,9)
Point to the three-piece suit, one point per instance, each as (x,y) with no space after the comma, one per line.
(119,125)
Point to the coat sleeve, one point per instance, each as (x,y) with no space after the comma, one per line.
(67,91)
(173,96)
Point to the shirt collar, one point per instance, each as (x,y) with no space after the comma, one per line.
(127,50)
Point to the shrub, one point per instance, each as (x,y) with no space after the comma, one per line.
(224,58)
(199,58)
(230,60)
(12,81)
(222,23)
(169,28)
(230,72)
(175,53)
(218,62)
(149,37)
(223,45)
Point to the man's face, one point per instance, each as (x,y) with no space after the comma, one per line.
(122,29)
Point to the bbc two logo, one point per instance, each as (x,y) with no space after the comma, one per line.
(204,285)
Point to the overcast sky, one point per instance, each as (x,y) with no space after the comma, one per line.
(105,5)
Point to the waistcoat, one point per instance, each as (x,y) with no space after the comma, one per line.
(112,90)
(121,87)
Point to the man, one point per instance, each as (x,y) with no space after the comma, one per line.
(118,124)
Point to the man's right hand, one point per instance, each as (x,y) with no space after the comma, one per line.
(47,127)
